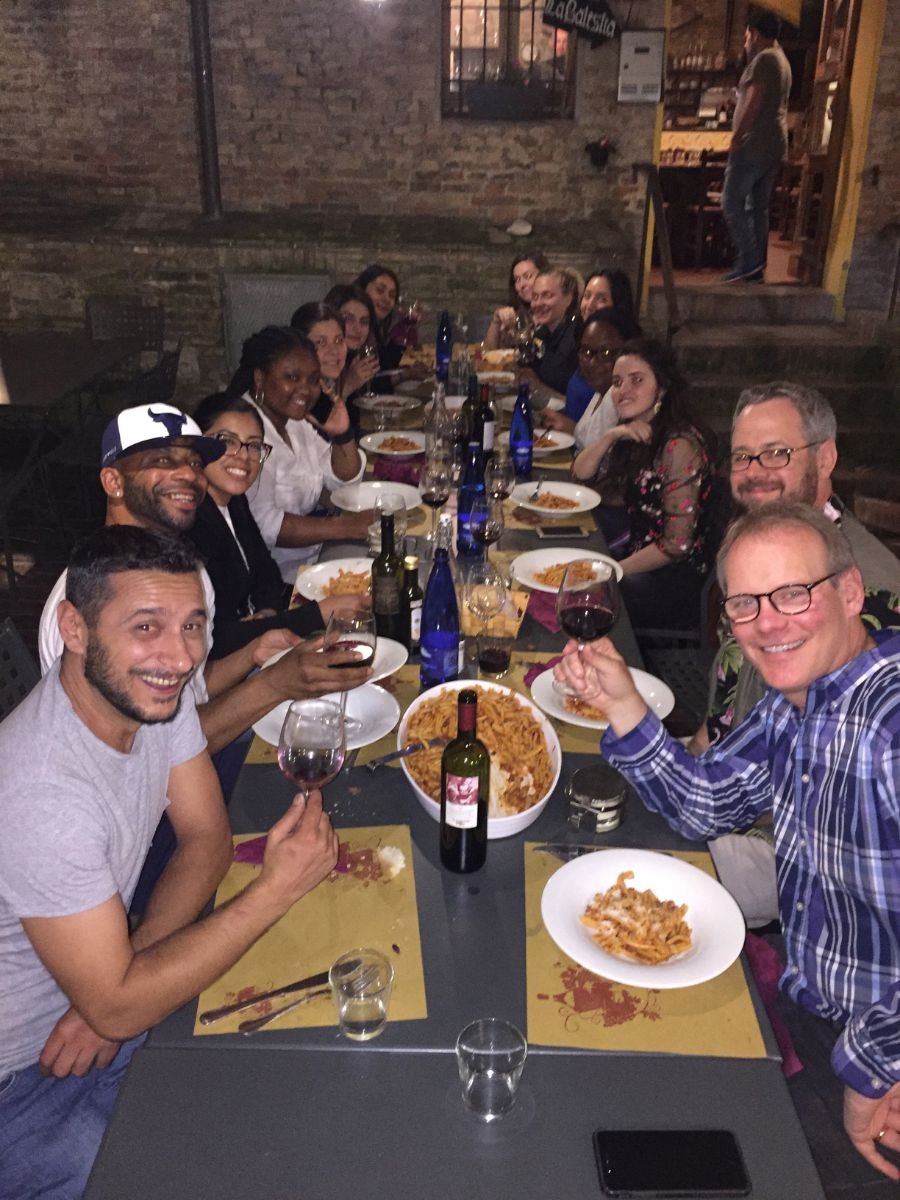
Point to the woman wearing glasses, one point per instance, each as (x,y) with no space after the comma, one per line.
(250,593)
(602,337)
(657,460)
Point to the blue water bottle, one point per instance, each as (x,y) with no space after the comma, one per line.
(471,485)
(521,434)
(443,347)
(439,647)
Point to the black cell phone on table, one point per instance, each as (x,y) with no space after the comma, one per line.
(670,1162)
(561,531)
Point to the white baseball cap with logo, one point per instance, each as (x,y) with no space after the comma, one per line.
(152,425)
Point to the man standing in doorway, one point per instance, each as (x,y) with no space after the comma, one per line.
(758,145)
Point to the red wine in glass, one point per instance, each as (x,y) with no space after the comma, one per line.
(364,652)
(312,766)
(435,498)
(312,744)
(586,620)
(588,601)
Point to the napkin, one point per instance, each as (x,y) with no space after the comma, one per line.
(406,470)
(539,668)
(766,966)
(542,606)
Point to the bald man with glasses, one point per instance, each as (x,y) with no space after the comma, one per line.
(822,750)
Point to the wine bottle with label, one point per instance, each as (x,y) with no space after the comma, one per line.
(414,598)
(441,643)
(465,791)
(387,584)
(521,434)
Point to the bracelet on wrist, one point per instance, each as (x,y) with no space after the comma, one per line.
(341,439)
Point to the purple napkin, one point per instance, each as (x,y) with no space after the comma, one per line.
(542,606)
(405,470)
(251,851)
(539,668)
(767,967)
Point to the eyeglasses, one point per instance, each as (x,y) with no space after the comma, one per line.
(257,451)
(604,353)
(790,600)
(772,460)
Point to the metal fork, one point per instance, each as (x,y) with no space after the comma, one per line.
(534,494)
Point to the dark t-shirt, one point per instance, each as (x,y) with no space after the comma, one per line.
(560,359)
(767,138)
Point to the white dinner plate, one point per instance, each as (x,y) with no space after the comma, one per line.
(389,657)
(561,441)
(376,710)
(657,695)
(716,924)
(373,443)
(498,378)
(554,403)
(312,581)
(392,402)
(525,568)
(585,498)
(357,497)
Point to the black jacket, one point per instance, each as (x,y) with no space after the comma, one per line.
(244,587)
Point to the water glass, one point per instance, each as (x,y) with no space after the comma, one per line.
(361,982)
(490,1055)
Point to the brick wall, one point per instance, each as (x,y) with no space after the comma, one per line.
(318,103)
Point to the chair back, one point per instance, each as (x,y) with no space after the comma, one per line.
(156,386)
(111,317)
(18,670)
(254,301)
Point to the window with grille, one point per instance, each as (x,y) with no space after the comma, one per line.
(501,62)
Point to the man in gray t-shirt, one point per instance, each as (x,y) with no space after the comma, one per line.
(758,145)
(91,758)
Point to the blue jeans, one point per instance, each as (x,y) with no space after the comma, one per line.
(50,1129)
(745,206)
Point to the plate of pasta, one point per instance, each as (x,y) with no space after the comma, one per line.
(642,918)
(543,570)
(400,443)
(658,697)
(524,749)
(556,499)
(340,577)
(546,441)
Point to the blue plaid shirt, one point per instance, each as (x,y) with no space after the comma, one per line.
(832,775)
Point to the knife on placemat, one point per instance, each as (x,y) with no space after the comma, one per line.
(412,748)
(300,985)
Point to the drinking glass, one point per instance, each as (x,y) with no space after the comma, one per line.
(486,521)
(434,488)
(490,1055)
(312,744)
(588,600)
(356,632)
(361,982)
(368,350)
(485,592)
(501,476)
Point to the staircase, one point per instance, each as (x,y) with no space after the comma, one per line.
(736,336)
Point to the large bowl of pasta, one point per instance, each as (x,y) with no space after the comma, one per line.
(524,749)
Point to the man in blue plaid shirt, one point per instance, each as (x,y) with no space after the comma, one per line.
(822,748)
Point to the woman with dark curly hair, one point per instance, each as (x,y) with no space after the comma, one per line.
(525,268)
(279,373)
(658,459)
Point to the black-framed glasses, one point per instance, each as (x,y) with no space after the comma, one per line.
(773,460)
(258,451)
(790,600)
(604,353)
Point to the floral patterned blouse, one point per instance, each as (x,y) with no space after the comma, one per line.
(665,501)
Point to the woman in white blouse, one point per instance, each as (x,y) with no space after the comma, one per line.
(279,374)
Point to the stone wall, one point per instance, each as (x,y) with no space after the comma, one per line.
(318,103)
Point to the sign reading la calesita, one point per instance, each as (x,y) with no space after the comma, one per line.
(588,18)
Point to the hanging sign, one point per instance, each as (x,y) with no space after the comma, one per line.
(589,19)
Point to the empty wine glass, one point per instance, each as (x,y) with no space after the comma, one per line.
(434,487)
(485,593)
(312,744)
(588,602)
(486,521)
(353,632)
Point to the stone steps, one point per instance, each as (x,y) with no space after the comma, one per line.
(745,303)
(812,354)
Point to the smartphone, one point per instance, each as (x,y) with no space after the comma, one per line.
(670,1162)
(561,531)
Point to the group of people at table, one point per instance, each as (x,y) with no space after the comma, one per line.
(153,646)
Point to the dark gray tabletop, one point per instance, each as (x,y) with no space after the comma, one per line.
(263,1125)
(43,368)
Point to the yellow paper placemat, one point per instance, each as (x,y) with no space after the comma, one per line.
(569,1006)
(361,907)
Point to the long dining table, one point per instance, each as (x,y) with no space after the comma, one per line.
(300,1113)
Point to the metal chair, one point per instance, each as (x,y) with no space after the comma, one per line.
(111,317)
(156,386)
(18,670)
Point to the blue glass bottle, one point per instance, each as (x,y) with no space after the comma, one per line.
(439,647)
(443,347)
(471,485)
(521,434)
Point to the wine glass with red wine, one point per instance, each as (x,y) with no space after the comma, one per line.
(500,476)
(486,522)
(312,744)
(354,633)
(588,601)
(434,487)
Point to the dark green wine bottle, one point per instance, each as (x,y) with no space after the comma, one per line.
(387,585)
(465,791)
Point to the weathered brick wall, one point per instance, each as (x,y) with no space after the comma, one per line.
(319,103)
